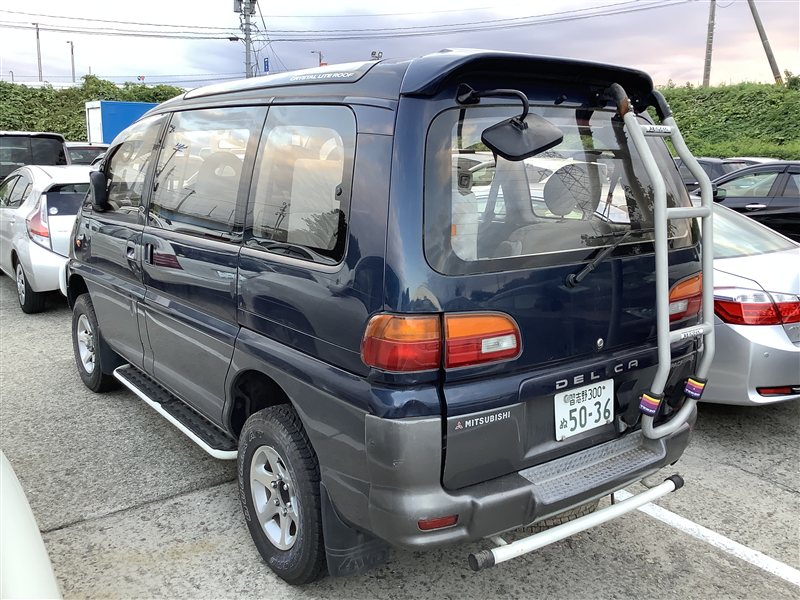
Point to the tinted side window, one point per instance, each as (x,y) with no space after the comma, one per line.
(127,168)
(5,190)
(199,172)
(20,192)
(303,176)
(750,185)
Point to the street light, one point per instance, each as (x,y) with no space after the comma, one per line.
(319,52)
(72,58)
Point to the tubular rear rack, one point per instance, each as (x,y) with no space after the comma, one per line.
(662,215)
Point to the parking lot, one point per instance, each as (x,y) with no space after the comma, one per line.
(130,507)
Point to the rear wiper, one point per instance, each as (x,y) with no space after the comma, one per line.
(573,279)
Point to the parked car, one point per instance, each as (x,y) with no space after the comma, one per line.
(316,290)
(768,193)
(37,211)
(20,148)
(84,153)
(750,160)
(714,167)
(27,571)
(757,306)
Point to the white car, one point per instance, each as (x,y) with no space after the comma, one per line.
(38,206)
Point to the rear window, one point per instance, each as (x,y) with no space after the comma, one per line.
(737,235)
(485,215)
(20,150)
(84,155)
(66,199)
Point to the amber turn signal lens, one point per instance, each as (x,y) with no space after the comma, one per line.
(685,297)
(479,338)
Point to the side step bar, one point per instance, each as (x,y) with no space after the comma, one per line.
(504,551)
(199,429)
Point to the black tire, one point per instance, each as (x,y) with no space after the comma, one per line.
(94,379)
(279,428)
(29,301)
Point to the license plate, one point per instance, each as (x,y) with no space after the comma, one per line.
(584,408)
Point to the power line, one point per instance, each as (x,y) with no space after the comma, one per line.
(30,14)
(271,47)
(119,33)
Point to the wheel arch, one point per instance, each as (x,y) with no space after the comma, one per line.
(75,287)
(252,390)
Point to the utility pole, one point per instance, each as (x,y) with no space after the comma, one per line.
(763,34)
(72,58)
(712,5)
(38,51)
(319,53)
(248,65)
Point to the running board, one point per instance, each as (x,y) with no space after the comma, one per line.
(505,551)
(199,429)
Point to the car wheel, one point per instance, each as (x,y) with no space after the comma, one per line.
(85,343)
(29,301)
(279,492)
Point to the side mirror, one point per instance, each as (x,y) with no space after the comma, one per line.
(718,193)
(516,138)
(98,188)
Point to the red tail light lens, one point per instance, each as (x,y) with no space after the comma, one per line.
(437,523)
(741,306)
(37,224)
(685,297)
(473,339)
(403,343)
(783,390)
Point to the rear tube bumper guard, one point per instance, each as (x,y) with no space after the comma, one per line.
(503,551)
(662,214)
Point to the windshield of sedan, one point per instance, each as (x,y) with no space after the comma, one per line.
(737,235)
(486,214)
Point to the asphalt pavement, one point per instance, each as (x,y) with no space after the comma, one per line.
(131,508)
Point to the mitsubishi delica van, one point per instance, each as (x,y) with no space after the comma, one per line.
(420,302)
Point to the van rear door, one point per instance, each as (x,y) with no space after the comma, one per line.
(510,237)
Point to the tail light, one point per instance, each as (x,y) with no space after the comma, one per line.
(741,306)
(415,343)
(473,339)
(685,298)
(437,523)
(782,390)
(38,225)
(402,343)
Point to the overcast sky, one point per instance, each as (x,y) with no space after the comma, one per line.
(664,37)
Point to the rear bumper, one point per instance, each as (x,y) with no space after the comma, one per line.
(43,267)
(748,357)
(405,486)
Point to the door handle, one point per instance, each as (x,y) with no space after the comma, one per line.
(131,251)
(755,206)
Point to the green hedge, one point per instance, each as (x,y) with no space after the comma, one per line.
(746,119)
(62,110)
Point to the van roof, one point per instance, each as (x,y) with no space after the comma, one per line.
(424,76)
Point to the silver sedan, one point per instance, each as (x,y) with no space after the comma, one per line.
(757,307)
(38,206)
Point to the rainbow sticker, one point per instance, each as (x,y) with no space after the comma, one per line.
(648,405)
(694,387)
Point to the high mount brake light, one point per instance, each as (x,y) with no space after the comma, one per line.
(742,306)
(38,225)
(685,297)
(415,343)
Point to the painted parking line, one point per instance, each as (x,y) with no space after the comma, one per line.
(754,557)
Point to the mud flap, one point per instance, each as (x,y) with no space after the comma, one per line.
(349,551)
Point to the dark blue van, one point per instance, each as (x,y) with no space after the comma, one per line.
(421,301)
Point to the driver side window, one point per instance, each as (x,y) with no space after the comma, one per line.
(128,165)
(753,185)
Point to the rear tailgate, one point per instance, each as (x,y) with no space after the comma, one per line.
(62,210)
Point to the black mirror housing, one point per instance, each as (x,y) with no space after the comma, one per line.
(515,139)
(718,193)
(98,188)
